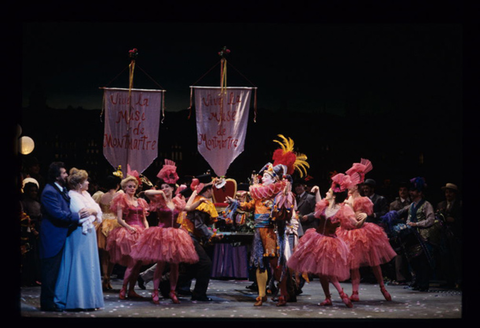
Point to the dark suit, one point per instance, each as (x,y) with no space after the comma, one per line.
(380,208)
(306,206)
(56,221)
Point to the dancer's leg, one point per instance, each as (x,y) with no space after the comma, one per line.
(262,278)
(343,296)
(355,276)
(157,276)
(326,290)
(133,280)
(377,271)
(173,282)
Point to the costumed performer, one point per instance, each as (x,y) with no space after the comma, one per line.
(320,251)
(369,246)
(165,243)
(109,222)
(132,217)
(201,213)
(79,283)
(273,203)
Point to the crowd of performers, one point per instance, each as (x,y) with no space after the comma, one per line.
(341,243)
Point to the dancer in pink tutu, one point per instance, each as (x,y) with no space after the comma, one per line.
(132,217)
(369,246)
(320,251)
(165,243)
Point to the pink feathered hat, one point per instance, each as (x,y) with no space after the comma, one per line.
(360,169)
(168,173)
(342,182)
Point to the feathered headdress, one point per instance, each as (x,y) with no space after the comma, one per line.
(342,182)
(360,169)
(118,172)
(168,173)
(286,156)
(134,173)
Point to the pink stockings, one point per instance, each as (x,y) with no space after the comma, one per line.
(157,276)
(130,278)
(355,276)
(326,289)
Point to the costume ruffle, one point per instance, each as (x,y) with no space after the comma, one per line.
(103,229)
(259,191)
(369,245)
(158,244)
(120,201)
(322,255)
(158,202)
(363,204)
(120,242)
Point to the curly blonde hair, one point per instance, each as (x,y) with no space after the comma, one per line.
(127,180)
(76,177)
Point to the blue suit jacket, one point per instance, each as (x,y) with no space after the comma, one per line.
(56,221)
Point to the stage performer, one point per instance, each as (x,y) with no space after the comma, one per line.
(165,243)
(109,222)
(320,251)
(273,204)
(201,214)
(79,283)
(58,219)
(132,217)
(369,245)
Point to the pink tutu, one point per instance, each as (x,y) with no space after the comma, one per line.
(369,245)
(158,244)
(322,255)
(120,242)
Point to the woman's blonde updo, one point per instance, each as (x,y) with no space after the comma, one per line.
(76,177)
(127,180)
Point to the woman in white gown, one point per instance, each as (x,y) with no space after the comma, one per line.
(79,283)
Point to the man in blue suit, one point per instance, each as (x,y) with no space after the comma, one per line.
(56,223)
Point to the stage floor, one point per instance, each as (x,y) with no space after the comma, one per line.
(232,300)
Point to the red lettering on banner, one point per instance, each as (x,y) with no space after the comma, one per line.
(122,99)
(127,142)
(217,142)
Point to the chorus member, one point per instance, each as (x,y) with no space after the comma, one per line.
(369,245)
(421,218)
(109,222)
(320,251)
(201,214)
(132,218)
(79,283)
(165,243)
(57,219)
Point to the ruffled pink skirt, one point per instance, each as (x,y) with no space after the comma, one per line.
(369,245)
(322,255)
(120,242)
(158,244)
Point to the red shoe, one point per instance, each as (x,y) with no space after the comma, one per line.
(385,293)
(328,301)
(346,300)
(282,301)
(123,291)
(155,298)
(132,294)
(173,296)
(354,297)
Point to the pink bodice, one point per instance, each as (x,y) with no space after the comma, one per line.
(167,218)
(134,215)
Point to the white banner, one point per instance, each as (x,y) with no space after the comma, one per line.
(221,124)
(131,133)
